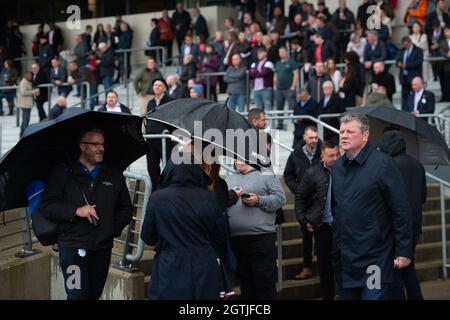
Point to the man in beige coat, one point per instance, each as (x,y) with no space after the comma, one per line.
(25,101)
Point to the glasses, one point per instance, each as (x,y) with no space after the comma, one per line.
(95,144)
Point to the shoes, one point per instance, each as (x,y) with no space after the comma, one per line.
(305,274)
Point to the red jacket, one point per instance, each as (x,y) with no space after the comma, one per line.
(166,30)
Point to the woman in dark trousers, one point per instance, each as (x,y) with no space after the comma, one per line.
(211,63)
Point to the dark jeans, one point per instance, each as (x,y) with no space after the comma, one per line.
(124,66)
(406,279)
(41,111)
(25,119)
(361,293)
(406,89)
(307,248)
(280,98)
(93,271)
(107,83)
(256,265)
(168,45)
(324,245)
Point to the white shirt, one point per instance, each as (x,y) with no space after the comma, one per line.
(116,108)
(417,96)
(325,100)
(171,90)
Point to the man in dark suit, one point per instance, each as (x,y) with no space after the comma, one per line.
(306,106)
(174,90)
(420,100)
(113,105)
(375,50)
(331,103)
(383,78)
(46,54)
(200,27)
(58,75)
(409,60)
(438,14)
(152,127)
(41,94)
(181,20)
(55,37)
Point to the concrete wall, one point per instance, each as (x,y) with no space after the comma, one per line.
(25,278)
(39,277)
(140,23)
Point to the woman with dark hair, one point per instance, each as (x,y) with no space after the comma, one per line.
(36,42)
(352,59)
(100,35)
(420,39)
(210,63)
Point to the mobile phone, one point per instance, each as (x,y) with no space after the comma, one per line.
(245,195)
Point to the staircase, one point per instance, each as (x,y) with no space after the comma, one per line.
(428,251)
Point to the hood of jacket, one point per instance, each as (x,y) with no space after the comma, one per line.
(183,175)
(393,142)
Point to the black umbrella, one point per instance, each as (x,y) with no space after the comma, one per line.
(47,144)
(201,119)
(423,141)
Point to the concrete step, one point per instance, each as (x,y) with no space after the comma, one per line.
(431,211)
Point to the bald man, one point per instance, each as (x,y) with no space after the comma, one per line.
(58,108)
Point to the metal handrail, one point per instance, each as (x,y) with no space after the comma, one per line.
(140,245)
(442,184)
(301,83)
(207,75)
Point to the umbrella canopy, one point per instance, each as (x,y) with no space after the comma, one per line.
(47,144)
(206,120)
(423,141)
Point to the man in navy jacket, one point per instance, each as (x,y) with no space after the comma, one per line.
(420,100)
(372,226)
(409,60)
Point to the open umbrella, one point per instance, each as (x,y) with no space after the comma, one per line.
(217,124)
(423,141)
(47,144)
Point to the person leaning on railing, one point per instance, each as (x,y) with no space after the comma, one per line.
(8,77)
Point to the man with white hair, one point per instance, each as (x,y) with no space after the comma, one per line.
(420,100)
(106,64)
(174,89)
(330,103)
(59,108)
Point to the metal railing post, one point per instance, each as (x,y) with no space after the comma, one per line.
(279,258)
(49,102)
(248,89)
(125,70)
(164,153)
(164,52)
(208,89)
(27,241)
(302,77)
(443,231)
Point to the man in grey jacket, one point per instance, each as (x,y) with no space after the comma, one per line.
(237,88)
(252,229)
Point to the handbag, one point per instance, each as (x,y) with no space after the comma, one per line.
(45,230)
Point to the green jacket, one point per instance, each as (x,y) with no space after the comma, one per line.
(143,81)
(376,99)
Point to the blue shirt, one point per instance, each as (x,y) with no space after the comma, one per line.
(93,173)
